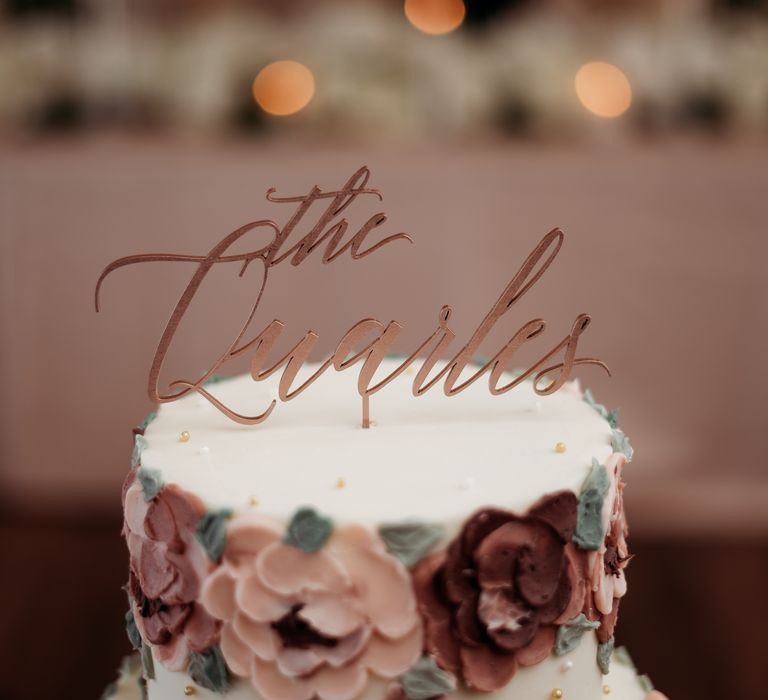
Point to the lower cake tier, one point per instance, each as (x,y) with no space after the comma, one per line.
(572,678)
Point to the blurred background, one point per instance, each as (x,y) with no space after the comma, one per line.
(638,126)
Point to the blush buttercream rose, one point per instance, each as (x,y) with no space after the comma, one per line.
(302,624)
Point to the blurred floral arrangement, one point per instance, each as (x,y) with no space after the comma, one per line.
(375,74)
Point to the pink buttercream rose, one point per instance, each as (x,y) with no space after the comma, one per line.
(301,625)
(167,565)
(607,565)
(656,695)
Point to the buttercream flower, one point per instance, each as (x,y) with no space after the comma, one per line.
(302,624)
(167,566)
(608,563)
(493,601)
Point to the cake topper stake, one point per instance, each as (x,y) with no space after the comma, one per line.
(331,230)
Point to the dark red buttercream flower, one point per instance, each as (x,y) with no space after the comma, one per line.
(493,600)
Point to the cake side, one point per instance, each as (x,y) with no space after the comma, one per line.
(430,458)
(476,544)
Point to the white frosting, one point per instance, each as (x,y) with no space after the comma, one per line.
(433,458)
(580,681)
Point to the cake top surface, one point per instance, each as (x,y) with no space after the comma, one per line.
(429,458)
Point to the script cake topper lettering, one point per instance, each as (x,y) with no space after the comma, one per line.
(330,231)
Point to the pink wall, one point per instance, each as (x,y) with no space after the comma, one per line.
(665,248)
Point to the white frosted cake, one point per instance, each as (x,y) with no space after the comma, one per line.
(466,546)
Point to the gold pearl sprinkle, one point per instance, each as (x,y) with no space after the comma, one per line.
(557,693)
(373,423)
(560,448)
(340,482)
(184,437)
(189,690)
(606,690)
(253,502)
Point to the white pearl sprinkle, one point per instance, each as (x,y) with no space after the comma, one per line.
(204,450)
(468,483)
(567,665)
(538,407)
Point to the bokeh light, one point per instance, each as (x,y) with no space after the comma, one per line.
(284,87)
(435,16)
(603,89)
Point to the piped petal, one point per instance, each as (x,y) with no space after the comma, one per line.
(173,655)
(487,670)
(201,630)
(578,587)
(238,656)
(260,637)
(135,509)
(348,648)
(155,574)
(387,658)
(218,594)
(539,648)
(273,685)
(439,638)
(289,571)
(258,602)
(332,616)
(247,535)
(383,588)
(340,683)
(295,663)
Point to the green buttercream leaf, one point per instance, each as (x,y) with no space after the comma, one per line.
(611,416)
(621,656)
(620,443)
(308,530)
(209,670)
(589,399)
(147,420)
(132,631)
(212,532)
(569,635)
(645,682)
(589,515)
(147,663)
(139,445)
(109,691)
(150,481)
(425,679)
(604,652)
(410,542)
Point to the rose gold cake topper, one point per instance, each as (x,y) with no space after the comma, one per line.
(331,230)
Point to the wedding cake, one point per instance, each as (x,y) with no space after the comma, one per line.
(448,545)
(466,547)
